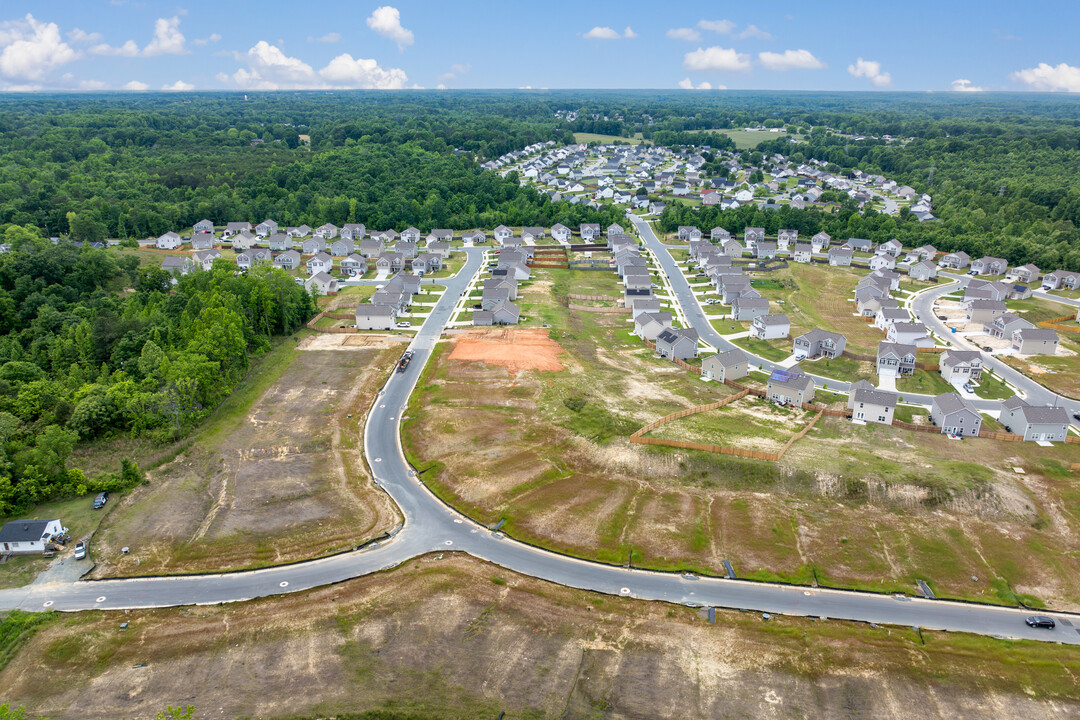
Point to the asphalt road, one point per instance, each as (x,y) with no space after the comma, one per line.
(431,526)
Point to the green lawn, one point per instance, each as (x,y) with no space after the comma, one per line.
(926,382)
(606,139)
(1037,310)
(991,387)
(774,350)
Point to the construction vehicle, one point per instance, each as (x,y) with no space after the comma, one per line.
(404,361)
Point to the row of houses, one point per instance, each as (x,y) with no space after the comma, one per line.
(388,303)
(500,291)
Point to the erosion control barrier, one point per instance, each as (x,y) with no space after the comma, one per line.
(606,298)
(590,308)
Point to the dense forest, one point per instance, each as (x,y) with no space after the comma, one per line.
(81,360)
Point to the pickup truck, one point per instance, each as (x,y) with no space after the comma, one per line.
(404,361)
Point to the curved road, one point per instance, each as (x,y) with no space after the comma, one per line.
(431,526)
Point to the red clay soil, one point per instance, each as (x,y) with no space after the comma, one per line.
(514,350)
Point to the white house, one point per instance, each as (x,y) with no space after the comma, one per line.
(24,537)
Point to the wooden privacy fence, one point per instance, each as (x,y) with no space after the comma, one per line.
(1007,437)
(606,298)
(689,411)
(916,428)
(1054,324)
(590,308)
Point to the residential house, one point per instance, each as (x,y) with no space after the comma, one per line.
(501,233)
(955,261)
(892,279)
(765,250)
(1037,423)
(387,236)
(925,252)
(176,265)
(353,231)
(840,256)
(203,226)
(681,343)
(249,258)
(560,232)
(639,305)
(770,327)
(168,241)
(298,232)
(537,233)
(989,266)
(859,245)
(821,241)
(203,241)
(753,235)
(235,228)
(343,247)
(784,238)
(1024,273)
(406,249)
(205,258)
(266,227)
(288,260)
(732,248)
(728,365)
(924,270)
(896,359)
(393,297)
(242,240)
(873,406)
(886,316)
(1003,326)
(614,229)
(313,246)
(819,342)
(802,253)
(590,232)
(326,231)
(442,249)
(27,537)
(908,333)
(371,248)
(955,415)
(959,366)
(891,247)
(389,261)
(689,232)
(649,325)
(718,234)
(882,262)
(511,286)
(505,313)
(447,236)
(375,317)
(352,265)
(1034,341)
(410,235)
(427,263)
(493,296)
(983,311)
(279,242)
(322,262)
(790,387)
(477,237)
(748,308)
(1060,280)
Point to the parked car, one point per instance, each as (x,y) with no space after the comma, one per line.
(1041,621)
(404,324)
(80,551)
(1076,416)
(100,500)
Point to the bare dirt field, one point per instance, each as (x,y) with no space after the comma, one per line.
(868,507)
(447,636)
(282,480)
(514,350)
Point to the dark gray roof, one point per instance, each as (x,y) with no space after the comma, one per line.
(1032,333)
(779,319)
(23,530)
(875,397)
(951,402)
(731,358)
(898,349)
(369,310)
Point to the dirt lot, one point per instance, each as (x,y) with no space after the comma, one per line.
(514,350)
(280,480)
(866,507)
(450,637)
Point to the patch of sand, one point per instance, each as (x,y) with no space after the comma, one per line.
(345,341)
(513,349)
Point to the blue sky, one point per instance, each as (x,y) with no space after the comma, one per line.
(228,44)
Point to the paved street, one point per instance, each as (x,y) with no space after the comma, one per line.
(430,526)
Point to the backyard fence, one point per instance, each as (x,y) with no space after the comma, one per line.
(1055,324)
(606,298)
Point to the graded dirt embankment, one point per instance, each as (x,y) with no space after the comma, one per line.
(515,350)
(280,480)
(450,637)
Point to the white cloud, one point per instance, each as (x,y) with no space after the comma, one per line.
(688,34)
(32,48)
(92,85)
(963,85)
(871,70)
(213,38)
(455,70)
(688,84)
(716,58)
(271,69)
(386,21)
(724,27)
(602,33)
(81,36)
(332,37)
(629,34)
(178,86)
(128,49)
(1060,77)
(753,31)
(344,71)
(135,86)
(790,60)
(168,40)
(440,86)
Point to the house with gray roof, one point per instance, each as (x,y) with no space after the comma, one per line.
(353,265)
(1003,326)
(648,304)
(243,241)
(204,226)
(983,311)
(770,327)
(678,343)
(321,262)
(1034,341)
(955,260)
(342,247)
(375,317)
(266,227)
(648,325)
(752,235)
(205,258)
(288,260)
(989,265)
(959,366)
(321,284)
(873,406)
(168,241)
(176,265)
(802,253)
(353,231)
(821,241)
(896,359)
(248,258)
(840,256)
(923,270)
(748,308)
(819,343)
(729,365)
(790,387)
(505,313)
(719,234)
(1037,423)
(27,537)
(279,242)
(955,415)
(313,246)
(372,248)
(203,241)
(909,333)
(1024,273)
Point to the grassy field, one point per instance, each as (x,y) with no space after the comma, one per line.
(925,382)
(607,139)
(1037,310)
(482,640)
(748,140)
(775,350)
(547,452)
(1060,373)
